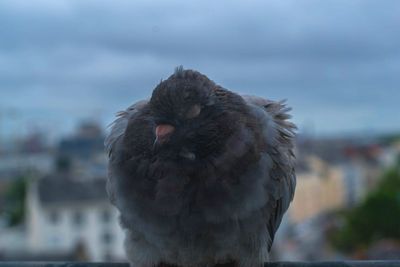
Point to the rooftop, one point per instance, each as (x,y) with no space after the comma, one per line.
(63,189)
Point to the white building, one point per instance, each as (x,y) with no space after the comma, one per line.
(67,215)
(12,240)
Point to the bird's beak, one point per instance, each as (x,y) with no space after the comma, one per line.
(163,132)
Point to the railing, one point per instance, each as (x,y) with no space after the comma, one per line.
(271,264)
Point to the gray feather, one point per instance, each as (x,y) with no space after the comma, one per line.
(218,220)
(279,135)
(118,128)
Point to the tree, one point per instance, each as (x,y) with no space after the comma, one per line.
(15,201)
(377,217)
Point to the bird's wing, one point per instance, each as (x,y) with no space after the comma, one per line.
(118,128)
(278,134)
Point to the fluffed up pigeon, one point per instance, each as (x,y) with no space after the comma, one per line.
(201,176)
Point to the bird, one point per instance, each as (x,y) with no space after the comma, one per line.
(200,175)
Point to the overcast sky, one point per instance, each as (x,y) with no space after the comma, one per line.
(336,61)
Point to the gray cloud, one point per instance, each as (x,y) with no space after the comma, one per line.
(336,61)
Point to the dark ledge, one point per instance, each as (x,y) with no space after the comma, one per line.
(271,264)
(335,264)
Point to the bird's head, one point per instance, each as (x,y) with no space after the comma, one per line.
(190,120)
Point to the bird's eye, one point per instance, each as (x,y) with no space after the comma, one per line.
(193,112)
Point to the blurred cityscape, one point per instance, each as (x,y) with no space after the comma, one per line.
(53,204)
(61,62)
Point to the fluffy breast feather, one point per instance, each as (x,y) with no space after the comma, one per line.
(230,209)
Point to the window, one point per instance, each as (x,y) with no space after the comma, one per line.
(105,216)
(107,255)
(54,217)
(106,237)
(78,218)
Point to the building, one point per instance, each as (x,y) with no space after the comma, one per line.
(12,240)
(87,142)
(18,164)
(65,215)
(320,188)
